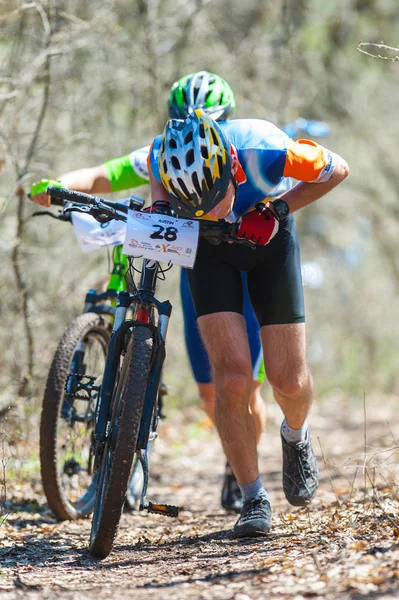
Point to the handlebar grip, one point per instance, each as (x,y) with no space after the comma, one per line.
(72,196)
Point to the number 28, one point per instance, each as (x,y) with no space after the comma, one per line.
(170,233)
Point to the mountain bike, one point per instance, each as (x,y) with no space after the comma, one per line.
(128,407)
(70,398)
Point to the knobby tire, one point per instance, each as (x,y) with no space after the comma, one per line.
(116,463)
(80,329)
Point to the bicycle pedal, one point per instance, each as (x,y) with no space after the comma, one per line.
(162,509)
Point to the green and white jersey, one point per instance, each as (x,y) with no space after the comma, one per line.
(128,171)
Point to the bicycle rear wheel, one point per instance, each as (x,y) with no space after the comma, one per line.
(115,464)
(67,422)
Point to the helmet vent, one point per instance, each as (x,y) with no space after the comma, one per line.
(174,190)
(188,138)
(190,157)
(165,166)
(172,143)
(196,184)
(208,178)
(204,152)
(220,163)
(183,187)
(214,136)
(202,130)
(175,162)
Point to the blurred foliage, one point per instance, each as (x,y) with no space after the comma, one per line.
(107,68)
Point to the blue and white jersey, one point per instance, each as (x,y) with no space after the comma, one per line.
(269,161)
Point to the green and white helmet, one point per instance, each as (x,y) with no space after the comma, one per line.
(203,90)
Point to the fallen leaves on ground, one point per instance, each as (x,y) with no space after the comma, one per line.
(344,546)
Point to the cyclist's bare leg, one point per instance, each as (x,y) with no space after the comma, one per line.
(207,395)
(257,406)
(225,338)
(284,352)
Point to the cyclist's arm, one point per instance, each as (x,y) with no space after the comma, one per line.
(94,180)
(304,193)
(318,170)
(116,175)
(129,171)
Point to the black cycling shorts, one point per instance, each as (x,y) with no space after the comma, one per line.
(273,277)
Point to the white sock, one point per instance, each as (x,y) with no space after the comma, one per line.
(293,436)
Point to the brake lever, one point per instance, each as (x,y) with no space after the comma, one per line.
(60,217)
(88,210)
(84,208)
(107,214)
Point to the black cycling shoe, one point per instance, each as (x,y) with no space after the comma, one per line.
(300,472)
(231,493)
(255,519)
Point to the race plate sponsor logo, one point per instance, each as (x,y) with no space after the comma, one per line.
(164,239)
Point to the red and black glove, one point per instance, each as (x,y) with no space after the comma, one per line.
(259,226)
(160,207)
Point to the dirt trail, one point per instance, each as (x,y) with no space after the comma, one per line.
(345,546)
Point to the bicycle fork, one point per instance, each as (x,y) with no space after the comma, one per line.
(147,419)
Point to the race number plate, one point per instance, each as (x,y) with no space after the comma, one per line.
(162,238)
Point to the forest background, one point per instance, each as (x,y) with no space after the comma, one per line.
(82,82)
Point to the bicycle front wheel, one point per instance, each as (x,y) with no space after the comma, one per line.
(67,418)
(117,453)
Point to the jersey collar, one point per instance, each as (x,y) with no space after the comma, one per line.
(239,175)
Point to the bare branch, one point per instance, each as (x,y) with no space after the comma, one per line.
(44,18)
(21,169)
(17,11)
(362,45)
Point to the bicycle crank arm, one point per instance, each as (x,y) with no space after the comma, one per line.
(168,510)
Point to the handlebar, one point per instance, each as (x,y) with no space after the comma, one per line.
(105,210)
(60,194)
(99,208)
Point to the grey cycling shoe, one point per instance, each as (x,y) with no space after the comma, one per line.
(255,519)
(300,472)
(231,493)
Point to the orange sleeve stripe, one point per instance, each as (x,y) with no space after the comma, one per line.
(148,158)
(305,160)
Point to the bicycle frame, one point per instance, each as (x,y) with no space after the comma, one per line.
(144,305)
(116,284)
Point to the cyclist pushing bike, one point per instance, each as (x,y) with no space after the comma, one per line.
(213,94)
(242,170)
